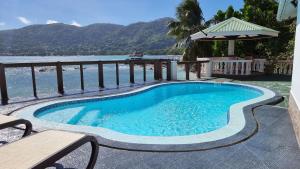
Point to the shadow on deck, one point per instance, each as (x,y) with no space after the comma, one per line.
(258,77)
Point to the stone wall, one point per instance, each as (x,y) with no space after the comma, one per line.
(294,111)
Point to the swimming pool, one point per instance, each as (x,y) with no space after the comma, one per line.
(170,113)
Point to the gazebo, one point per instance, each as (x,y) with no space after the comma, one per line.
(235,29)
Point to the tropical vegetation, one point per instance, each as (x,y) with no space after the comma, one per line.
(189,20)
(262,12)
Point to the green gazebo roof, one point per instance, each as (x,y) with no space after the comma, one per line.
(235,28)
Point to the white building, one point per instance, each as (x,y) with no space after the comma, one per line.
(288,9)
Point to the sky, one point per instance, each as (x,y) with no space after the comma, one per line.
(20,13)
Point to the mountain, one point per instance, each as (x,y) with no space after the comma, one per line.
(95,39)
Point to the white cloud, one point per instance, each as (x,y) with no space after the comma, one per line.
(24,20)
(50,21)
(2,23)
(74,23)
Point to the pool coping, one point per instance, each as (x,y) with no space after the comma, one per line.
(238,131)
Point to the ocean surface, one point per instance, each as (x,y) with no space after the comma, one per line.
(19,81)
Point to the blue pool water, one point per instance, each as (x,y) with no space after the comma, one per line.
(167,110)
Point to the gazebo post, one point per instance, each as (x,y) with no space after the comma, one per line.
(231,47)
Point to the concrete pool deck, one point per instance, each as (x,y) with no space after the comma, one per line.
(274,146)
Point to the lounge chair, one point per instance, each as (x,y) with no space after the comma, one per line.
(9,121)
(43,149)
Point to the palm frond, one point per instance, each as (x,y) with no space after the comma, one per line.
(189,21)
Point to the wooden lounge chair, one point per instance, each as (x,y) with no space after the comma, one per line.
(9,121)
(43,149)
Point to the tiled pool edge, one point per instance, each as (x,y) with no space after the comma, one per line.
(251,127)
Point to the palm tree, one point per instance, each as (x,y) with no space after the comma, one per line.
(189,20)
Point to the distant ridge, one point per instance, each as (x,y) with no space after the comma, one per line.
(95,39)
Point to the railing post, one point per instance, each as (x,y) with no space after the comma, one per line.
(209,67)
(100,75)
(169,70)
(173,70)
(33,81)
(198,70)
(4,95)
(144,72)
(237,68)
(187,71)
(154,71)
(59,76)
(231,68)
(131,71)
(117,74)
(243,68)
(248,68)
(159,64)
(81,77)
(155,66)
(225,67)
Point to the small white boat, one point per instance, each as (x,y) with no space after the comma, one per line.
(136,55)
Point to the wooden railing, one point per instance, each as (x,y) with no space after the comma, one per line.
(195,66)
(157,65)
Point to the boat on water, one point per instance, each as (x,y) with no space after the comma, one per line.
(136,55)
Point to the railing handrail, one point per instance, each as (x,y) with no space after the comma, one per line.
(65,63)
(191,62)
(232,60)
